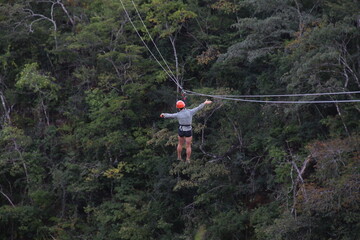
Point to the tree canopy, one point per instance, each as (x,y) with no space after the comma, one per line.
(84,154)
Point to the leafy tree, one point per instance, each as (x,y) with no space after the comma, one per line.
(84,155)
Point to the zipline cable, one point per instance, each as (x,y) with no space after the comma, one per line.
(233,97)
(271,101)
(152,40)
(281,95)
(152,54)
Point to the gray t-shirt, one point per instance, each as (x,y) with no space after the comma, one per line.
(185,117)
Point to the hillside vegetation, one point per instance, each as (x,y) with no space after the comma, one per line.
(85,155)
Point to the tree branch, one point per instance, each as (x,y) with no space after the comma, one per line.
(6,196)
(66,12)
(6,109)
(301,23)
(203,134)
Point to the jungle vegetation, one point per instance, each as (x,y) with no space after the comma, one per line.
(84,154)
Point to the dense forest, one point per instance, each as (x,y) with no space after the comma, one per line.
(85,155)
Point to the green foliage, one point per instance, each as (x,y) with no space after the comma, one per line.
(84,154)
(30,78)
(262,217)
(24,219)
(167,16)
(14,152)
(226,225)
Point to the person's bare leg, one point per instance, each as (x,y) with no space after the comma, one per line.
(181,141)
(188,141)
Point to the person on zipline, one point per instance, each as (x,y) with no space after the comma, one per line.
(184,116)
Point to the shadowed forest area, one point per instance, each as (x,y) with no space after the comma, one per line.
(84,154)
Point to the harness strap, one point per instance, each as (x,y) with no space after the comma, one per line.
(181,126)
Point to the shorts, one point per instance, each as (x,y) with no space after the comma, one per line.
(185,133)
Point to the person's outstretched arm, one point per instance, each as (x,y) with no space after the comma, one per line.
(195,110)
(168,115)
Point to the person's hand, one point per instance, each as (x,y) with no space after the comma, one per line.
(207,101)
(162,115)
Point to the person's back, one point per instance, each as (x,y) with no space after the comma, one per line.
(184,117)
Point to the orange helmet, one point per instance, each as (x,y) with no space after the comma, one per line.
(180,104)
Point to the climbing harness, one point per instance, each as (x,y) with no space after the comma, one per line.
(183,95)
